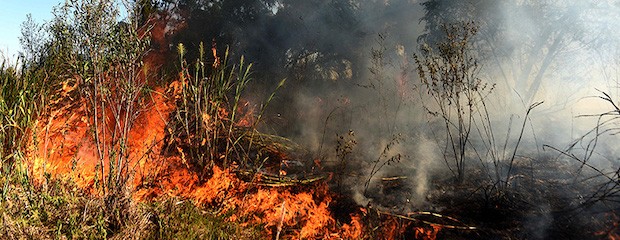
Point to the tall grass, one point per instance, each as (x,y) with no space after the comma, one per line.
(502,154)
(206,125)
(202,110)
(20,103)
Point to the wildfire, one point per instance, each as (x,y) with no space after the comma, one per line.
(427,233)
(394,228)
(60,144)
(66,142)
(64,146)
(612,233)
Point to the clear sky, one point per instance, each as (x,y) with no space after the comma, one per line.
(12,14)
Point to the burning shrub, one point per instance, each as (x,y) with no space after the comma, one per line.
(96,59)
(212,124)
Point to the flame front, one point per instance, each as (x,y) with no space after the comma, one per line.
(67,150)
(64,147)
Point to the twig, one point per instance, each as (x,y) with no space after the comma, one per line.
(428,222)
(393,178)
(514,153)
(281,221)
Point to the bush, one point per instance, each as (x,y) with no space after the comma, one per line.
(212,124)
(449,76)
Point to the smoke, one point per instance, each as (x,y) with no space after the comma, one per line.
(349,68)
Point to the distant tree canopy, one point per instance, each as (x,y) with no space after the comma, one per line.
(522,40)
(439,13)
(291,37)
(322,47)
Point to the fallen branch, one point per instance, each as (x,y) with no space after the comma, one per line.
(270,180)
(410,218)
(393,178)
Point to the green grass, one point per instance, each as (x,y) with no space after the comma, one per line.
(178,219)
(60,210)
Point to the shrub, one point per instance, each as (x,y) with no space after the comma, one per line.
(449,76)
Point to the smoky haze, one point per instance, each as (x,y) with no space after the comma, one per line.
(353,96)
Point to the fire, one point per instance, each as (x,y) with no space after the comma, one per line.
(64,147)
(60,145)
(353,230)
(612,233)
(302,214)
(427,233)
(247,113)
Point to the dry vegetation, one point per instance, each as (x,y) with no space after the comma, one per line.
(97,144)
(106,133)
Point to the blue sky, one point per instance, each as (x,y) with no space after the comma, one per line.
(12,14)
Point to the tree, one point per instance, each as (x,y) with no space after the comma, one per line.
(522,40)
(103,54)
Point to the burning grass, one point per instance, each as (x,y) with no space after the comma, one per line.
(61,192)
(122,152)
(259,193)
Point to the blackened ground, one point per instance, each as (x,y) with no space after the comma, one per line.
(543,200)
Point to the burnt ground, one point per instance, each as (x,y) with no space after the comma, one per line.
(544,199)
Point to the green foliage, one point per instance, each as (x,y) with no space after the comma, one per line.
(104,54)
(209,93)
(88,45)
(206,124)
(21,98)
(58,209)
(177,219)
(52,210)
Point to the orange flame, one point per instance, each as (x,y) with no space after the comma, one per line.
(64,147)
(353,230)
(612,233)
(427,233)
